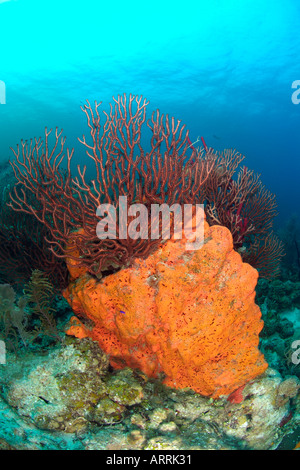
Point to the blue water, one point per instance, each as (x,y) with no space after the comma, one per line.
(224,67)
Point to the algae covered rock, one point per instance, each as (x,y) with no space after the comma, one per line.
(122,390)
(287,389)
(279,295)
(258,420)
(71,399)
(68,389)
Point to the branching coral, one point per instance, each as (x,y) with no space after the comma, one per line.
(23,245)
(235,197)
(39,294)
(30,315)
(169,172)
(190,315)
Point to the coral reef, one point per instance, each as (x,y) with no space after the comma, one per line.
(180,328)
(30,317)
(13,321)
(190,315)
(171,172)
(235,197)
(279,301)
(69,399)
(168,173)
(39,293)
(279,294)
(23,245)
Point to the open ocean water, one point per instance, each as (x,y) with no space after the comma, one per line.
(225,68)
(228,69)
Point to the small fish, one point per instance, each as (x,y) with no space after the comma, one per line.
(44,399)
(122,311)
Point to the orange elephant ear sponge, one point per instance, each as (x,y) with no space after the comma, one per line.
(188,314)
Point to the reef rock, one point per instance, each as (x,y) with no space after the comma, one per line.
(67,399)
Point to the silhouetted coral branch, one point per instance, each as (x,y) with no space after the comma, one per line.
(243,205)
(23,247)
(265,254)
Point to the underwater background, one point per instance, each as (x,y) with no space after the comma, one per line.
(224,68)
(229,70)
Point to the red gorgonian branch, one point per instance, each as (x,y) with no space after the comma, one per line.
(168,172)
(241,203)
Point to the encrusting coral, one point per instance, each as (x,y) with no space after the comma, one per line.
(190,315)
